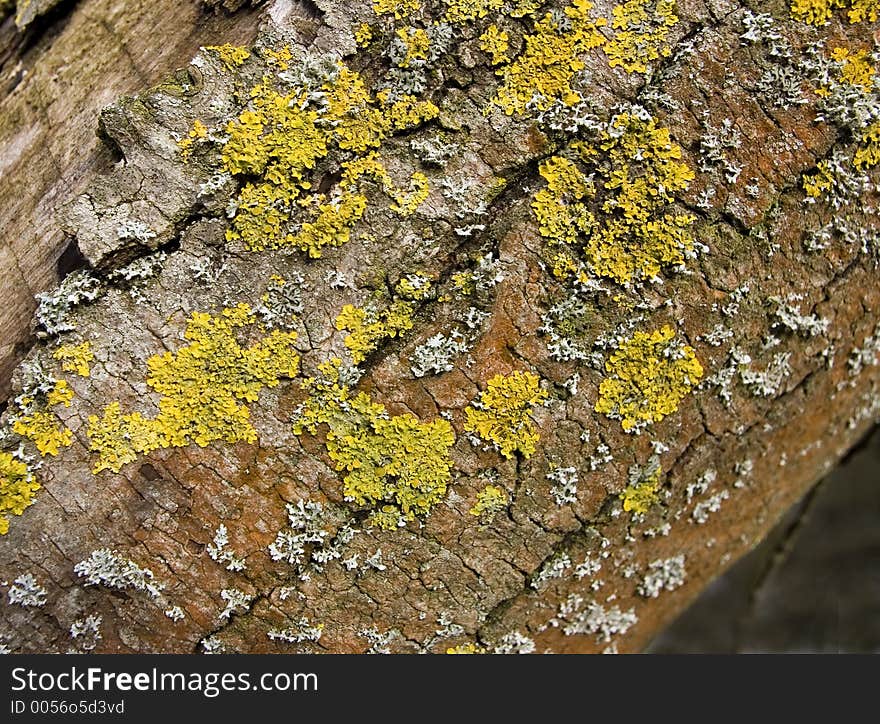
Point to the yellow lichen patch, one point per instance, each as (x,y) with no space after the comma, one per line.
(502,415)
(17,488)
(417,44)
(643,489)
(61,394)
(281,137)
(462,11)
(395,463)
(641,33)
(201,389)
(819,12)
(468,648)
(543,72)
(617,211)
(648,376)
(861,10)
(363,35)
(232,56)
(398,8)
(370,324)
(197,132)
(868,152)
(75,358)
(490,500)
(855,70)
(821,183)
(495,42)
(43,430)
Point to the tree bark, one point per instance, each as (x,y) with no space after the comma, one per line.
(602,534)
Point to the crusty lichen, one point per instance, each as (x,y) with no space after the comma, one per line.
(395,464)
(201,388)
(502,415)
(648,376)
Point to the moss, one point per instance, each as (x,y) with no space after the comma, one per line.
(370,324)
(17,488)
(616,212)
(502,415)
(648,376)
(75,358)
(394,463)
(201,388)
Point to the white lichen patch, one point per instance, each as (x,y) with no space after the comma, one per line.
(593,619)
(301,632)
(662,575)
(105,567)
(218,550)
(565,481)
(236,600)
(552,569)
(26,591)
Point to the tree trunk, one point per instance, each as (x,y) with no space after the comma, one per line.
(422,326)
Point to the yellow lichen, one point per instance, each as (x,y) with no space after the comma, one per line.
(417,44)
(75,358)
(543,72)
(281,137)
(395,463)
(495,43)
(618,213)
(490,500)
(468,648)
(372,323)
(821,183)
(17,488)
(61,394)
(462,11)
(363,35)
(819,12)
(648,376)
(398,8)
(43,430)
(868,152)
(232,56)
(201,388)
(502,415)
(197,132)
(641,33)
(643,491)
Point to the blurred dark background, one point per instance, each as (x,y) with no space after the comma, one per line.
(812,586)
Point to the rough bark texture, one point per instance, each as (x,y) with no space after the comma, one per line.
(646,520)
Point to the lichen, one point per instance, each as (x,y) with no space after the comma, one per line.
(642,32)
(495,42)
(369,325)
(546,68)
(819,12)
(17,488)
(232,56)
(280,138)
(395,464)
(643,486)
(75,358)
(648,376)
(200,387)
(616,214)
(502,415)
(490,501)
